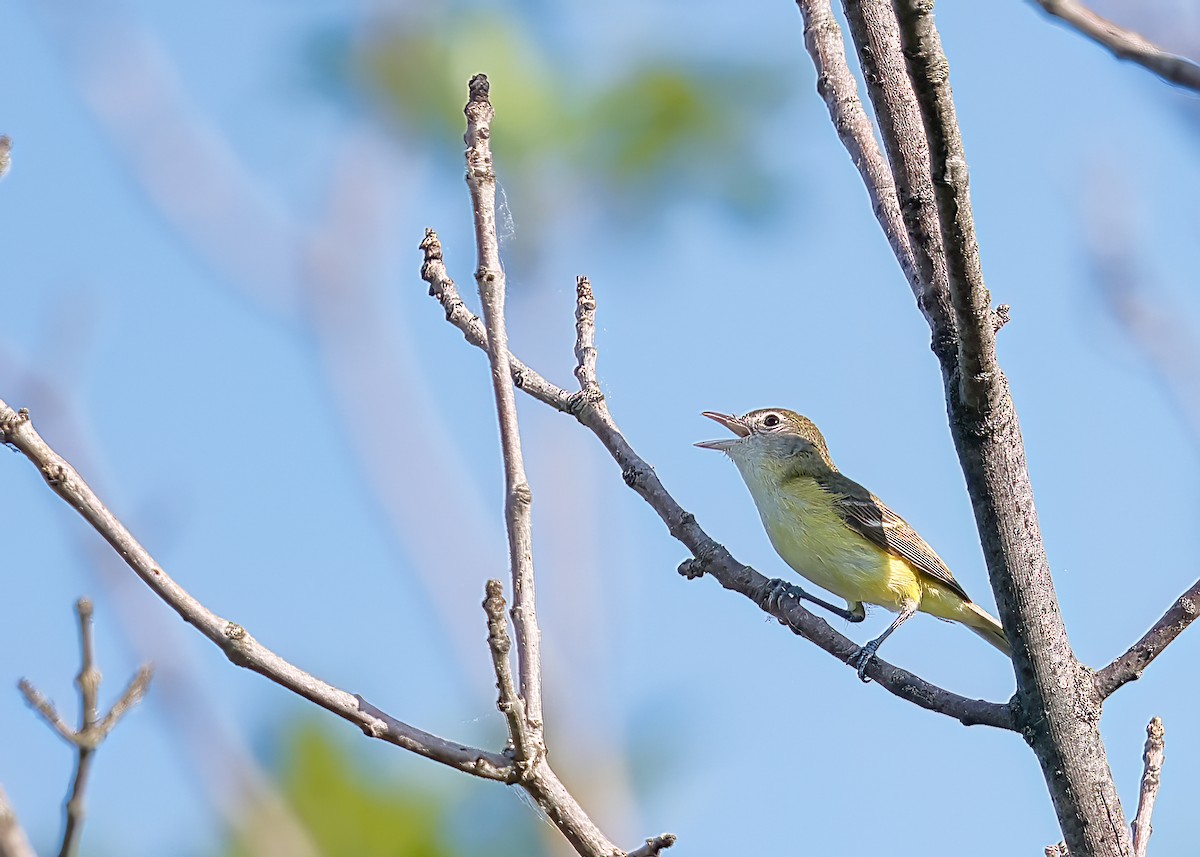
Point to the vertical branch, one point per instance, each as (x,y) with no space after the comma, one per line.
(1148,793)
(876,37)
(489,275)
(93,728)
(836,85)
(88,682)
(1057,703)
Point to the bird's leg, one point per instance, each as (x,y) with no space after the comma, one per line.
(867,652)
(778,589)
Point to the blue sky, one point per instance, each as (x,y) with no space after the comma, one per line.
(322,466)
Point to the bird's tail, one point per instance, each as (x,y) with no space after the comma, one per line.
(981,622)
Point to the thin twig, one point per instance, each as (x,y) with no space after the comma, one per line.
(711,557)
(1129,666)
(1152,756)
(13,841)
(489,276)
(237,644)
(85,739)
(1125,44)
(510,704)
(93,728)
(46,709)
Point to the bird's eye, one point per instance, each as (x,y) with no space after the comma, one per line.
(771,420)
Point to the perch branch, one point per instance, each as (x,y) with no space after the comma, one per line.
(237,644)
(1125,44)
(710,557)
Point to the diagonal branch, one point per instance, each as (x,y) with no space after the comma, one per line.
(242,649)
(1129,666)
(1152,757)
(489,276)
(1125,44)
(710,557)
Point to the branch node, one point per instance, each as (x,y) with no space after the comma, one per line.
(654,846)
(1000,317)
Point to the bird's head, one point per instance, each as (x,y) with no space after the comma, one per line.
(770,437)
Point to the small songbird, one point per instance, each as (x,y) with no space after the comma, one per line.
(839,535)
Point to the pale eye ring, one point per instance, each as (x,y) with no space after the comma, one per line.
(771,420)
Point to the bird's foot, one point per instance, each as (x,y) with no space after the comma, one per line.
(863,659)
(778,589)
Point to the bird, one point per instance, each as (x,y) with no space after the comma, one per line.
(837,534)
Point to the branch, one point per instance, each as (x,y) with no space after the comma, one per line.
(242,649)
(1125,44)
(489,276)
(1056,706)
(836,85)
(13,841)
(510,704)
(710,557)
(876,37)
(654,847)
(1152,756)
(93,728)
(1130,666)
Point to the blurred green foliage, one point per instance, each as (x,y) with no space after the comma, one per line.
(647,132)
(352,806)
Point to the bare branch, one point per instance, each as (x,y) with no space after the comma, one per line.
(876,37)
(93,729)
(13,841)
(654,847)
(1129,666)
(1125,44)
(46,709)
(1056,705)
(836,85)
(1152,756)
(711,557)
(930,75)
(489,276)
(509,703)
(135,691)
(585,340)
(237,644)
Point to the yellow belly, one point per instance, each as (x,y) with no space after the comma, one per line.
(806,530)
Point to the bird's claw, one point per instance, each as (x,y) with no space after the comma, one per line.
(863,659)
(778,589)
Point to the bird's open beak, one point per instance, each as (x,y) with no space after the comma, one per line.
(734,424)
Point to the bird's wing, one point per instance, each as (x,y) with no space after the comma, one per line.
(869,516)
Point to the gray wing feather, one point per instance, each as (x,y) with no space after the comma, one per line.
(869,516)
